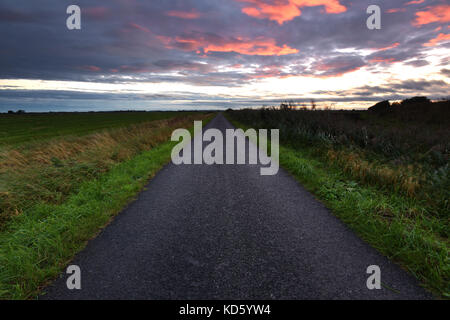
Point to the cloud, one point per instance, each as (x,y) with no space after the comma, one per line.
(442,37)
(382,60)
(233,44)
(337,66)
(414,2)
(204,43)
(417,63)
(183,14)
(139,27)
(11,15)
(22,15)
(395,10)
(440,13)
(91,68)
(396,90)
(392,46)
(97,13)
(286,10)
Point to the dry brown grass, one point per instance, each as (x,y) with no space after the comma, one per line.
(49,171)
(407,179)
(100,145)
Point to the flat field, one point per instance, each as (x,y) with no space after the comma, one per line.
(19,128)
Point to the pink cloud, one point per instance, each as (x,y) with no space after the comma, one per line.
(392,46)
(382,60)
(260,46)
(95,12)
(440,13)
(286,10)
(442,37)
(91,68)
(414,2)
(139,27)
(395,10)
(184,14)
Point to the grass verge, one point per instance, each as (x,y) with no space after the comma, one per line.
(396,225)
(50,170)
(37,244)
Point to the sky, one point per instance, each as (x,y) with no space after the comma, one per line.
(203,54)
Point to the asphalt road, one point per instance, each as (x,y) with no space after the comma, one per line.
(226,232)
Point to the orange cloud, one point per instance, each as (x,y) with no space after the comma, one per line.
(184,14)
(440,38)
(439,13)
(91,68)
(286,10)
(139,27)
(382,60)
(414,2)
(395,10)
(392,46)
(259,46)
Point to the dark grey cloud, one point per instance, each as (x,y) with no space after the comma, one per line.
(417,63)
(397,90)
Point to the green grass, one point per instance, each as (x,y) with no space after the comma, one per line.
(380,219)
(20,128)
(36,245)
(398,226)
(39,243)
(48,170)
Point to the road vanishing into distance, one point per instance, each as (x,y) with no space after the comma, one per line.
(226,232)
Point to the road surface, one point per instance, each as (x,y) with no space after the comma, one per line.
(226,232)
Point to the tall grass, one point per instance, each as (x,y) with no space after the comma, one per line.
(407,154)
(387,176)
(38,244)
(49,171)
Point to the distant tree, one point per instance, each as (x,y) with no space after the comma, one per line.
(287,105)
(416,100)
(284,106)
(10,112)
(381,108)
(20,111)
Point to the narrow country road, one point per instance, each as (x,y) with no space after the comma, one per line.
(226,232)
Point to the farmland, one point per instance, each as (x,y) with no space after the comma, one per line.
(19,128)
